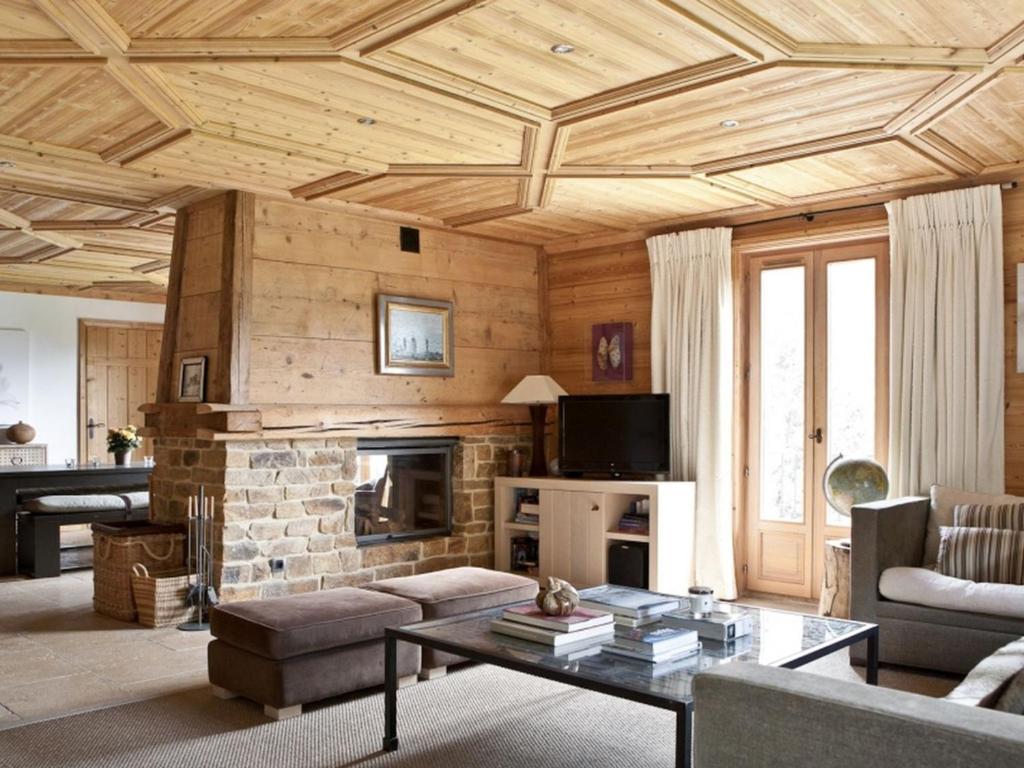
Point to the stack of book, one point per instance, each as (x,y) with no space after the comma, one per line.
(637,519)
(631,608)
(528,622)
(721,624)
(528,510)
(654,645)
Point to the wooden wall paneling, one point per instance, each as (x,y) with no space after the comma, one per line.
(236,299)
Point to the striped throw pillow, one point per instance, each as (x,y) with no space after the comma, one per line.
(1006,516)
(982,554)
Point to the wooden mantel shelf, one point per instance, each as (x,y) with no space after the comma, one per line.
(221,421)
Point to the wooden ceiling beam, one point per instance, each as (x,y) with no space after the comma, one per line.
(793,151)
(489,214)
(753,192)
(70,195)
(331,184)
(411,19)
(89,25)
(23,225)
(945,153)
(545,155)
(734,28)
(890,56)
(56,225)
(162,50)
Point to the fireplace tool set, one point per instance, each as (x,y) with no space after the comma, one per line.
(201,593)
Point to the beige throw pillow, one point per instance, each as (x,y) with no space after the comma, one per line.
(943,501)
(1005,516)
(985,555)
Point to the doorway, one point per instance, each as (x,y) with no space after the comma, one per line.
(117,373)
(817,337)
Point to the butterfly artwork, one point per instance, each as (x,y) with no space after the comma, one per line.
(612,352)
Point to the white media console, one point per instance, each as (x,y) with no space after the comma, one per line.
(578,521)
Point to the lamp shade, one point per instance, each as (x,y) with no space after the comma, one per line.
(535,390)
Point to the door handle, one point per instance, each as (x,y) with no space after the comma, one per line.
(91,427)
(816,436)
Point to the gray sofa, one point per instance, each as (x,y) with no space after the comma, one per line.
(890,534)
(754,716)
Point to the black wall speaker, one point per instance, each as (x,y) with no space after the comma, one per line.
(409,239)
(627,564)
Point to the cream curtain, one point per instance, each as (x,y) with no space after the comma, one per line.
(946,343)
(691,360)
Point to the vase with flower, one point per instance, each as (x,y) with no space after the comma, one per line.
(121,442)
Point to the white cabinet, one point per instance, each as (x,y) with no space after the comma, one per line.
(579,520)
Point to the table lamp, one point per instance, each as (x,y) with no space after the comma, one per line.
(538,392)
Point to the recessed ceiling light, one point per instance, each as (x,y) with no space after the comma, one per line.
(366,121)
(8,164)
(730,123)
(562,48)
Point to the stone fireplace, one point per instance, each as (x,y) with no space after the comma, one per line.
(292,503)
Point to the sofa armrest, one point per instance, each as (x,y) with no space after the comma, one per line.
(756,716)
(884,534)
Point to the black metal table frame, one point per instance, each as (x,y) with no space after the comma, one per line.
(683,709)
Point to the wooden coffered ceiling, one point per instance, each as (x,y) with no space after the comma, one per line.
(457,113)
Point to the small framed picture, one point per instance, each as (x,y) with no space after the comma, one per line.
(415,336)
(611,352)
(192,387)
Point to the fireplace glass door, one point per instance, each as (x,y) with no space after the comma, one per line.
(403,490)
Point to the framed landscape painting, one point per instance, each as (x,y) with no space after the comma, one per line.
(415,336)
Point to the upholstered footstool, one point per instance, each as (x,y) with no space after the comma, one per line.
(289,651)
(452,592)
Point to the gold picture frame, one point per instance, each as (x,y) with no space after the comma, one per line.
(415,337)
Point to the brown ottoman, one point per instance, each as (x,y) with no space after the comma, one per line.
(452,592)
(289,651)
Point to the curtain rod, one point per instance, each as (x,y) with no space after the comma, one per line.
(809,216)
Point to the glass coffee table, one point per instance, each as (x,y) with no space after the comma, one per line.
(779,639)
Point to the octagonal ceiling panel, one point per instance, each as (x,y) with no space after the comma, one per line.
(879,165)
(77,107)
(240,18)
(942,23)
(776,106)
(506,46)
(437,197)
(22,20)
(989,127)
(318,105)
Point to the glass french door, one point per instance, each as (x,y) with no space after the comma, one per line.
(817,344)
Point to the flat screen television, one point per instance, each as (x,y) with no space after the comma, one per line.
(613,434)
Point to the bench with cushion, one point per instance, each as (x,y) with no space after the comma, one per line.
(289,651)
(43,511)
(453,592)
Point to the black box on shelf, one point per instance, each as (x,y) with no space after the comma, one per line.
(628,564)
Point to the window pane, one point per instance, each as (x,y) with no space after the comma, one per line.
(783,431)
(851,363)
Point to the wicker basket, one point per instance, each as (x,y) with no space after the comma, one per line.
(119,546)
(160,597)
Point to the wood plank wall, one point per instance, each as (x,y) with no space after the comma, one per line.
(315,278)
(197,321)
(612,283)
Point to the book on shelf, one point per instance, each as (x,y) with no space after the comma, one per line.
(656,641)
(673,655)
(580,619)
(719,625)
(629,602)
(550,637)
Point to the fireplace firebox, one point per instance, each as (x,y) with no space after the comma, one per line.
(403,489)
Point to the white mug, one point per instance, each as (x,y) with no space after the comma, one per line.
(702,601)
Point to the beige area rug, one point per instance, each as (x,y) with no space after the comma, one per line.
(476,717)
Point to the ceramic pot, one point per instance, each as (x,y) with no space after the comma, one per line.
(21,433)
(122,458)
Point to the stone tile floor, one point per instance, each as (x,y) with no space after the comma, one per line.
(58,656)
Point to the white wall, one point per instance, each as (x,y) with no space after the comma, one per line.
(52,325)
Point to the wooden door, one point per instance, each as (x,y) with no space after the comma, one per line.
(818,346)
(118,365)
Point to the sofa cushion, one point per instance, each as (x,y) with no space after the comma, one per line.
(1005,516)
(986,683)
(284,627)
(923,586)
(943,502)
(982,554)
(458,590)
(83,502)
